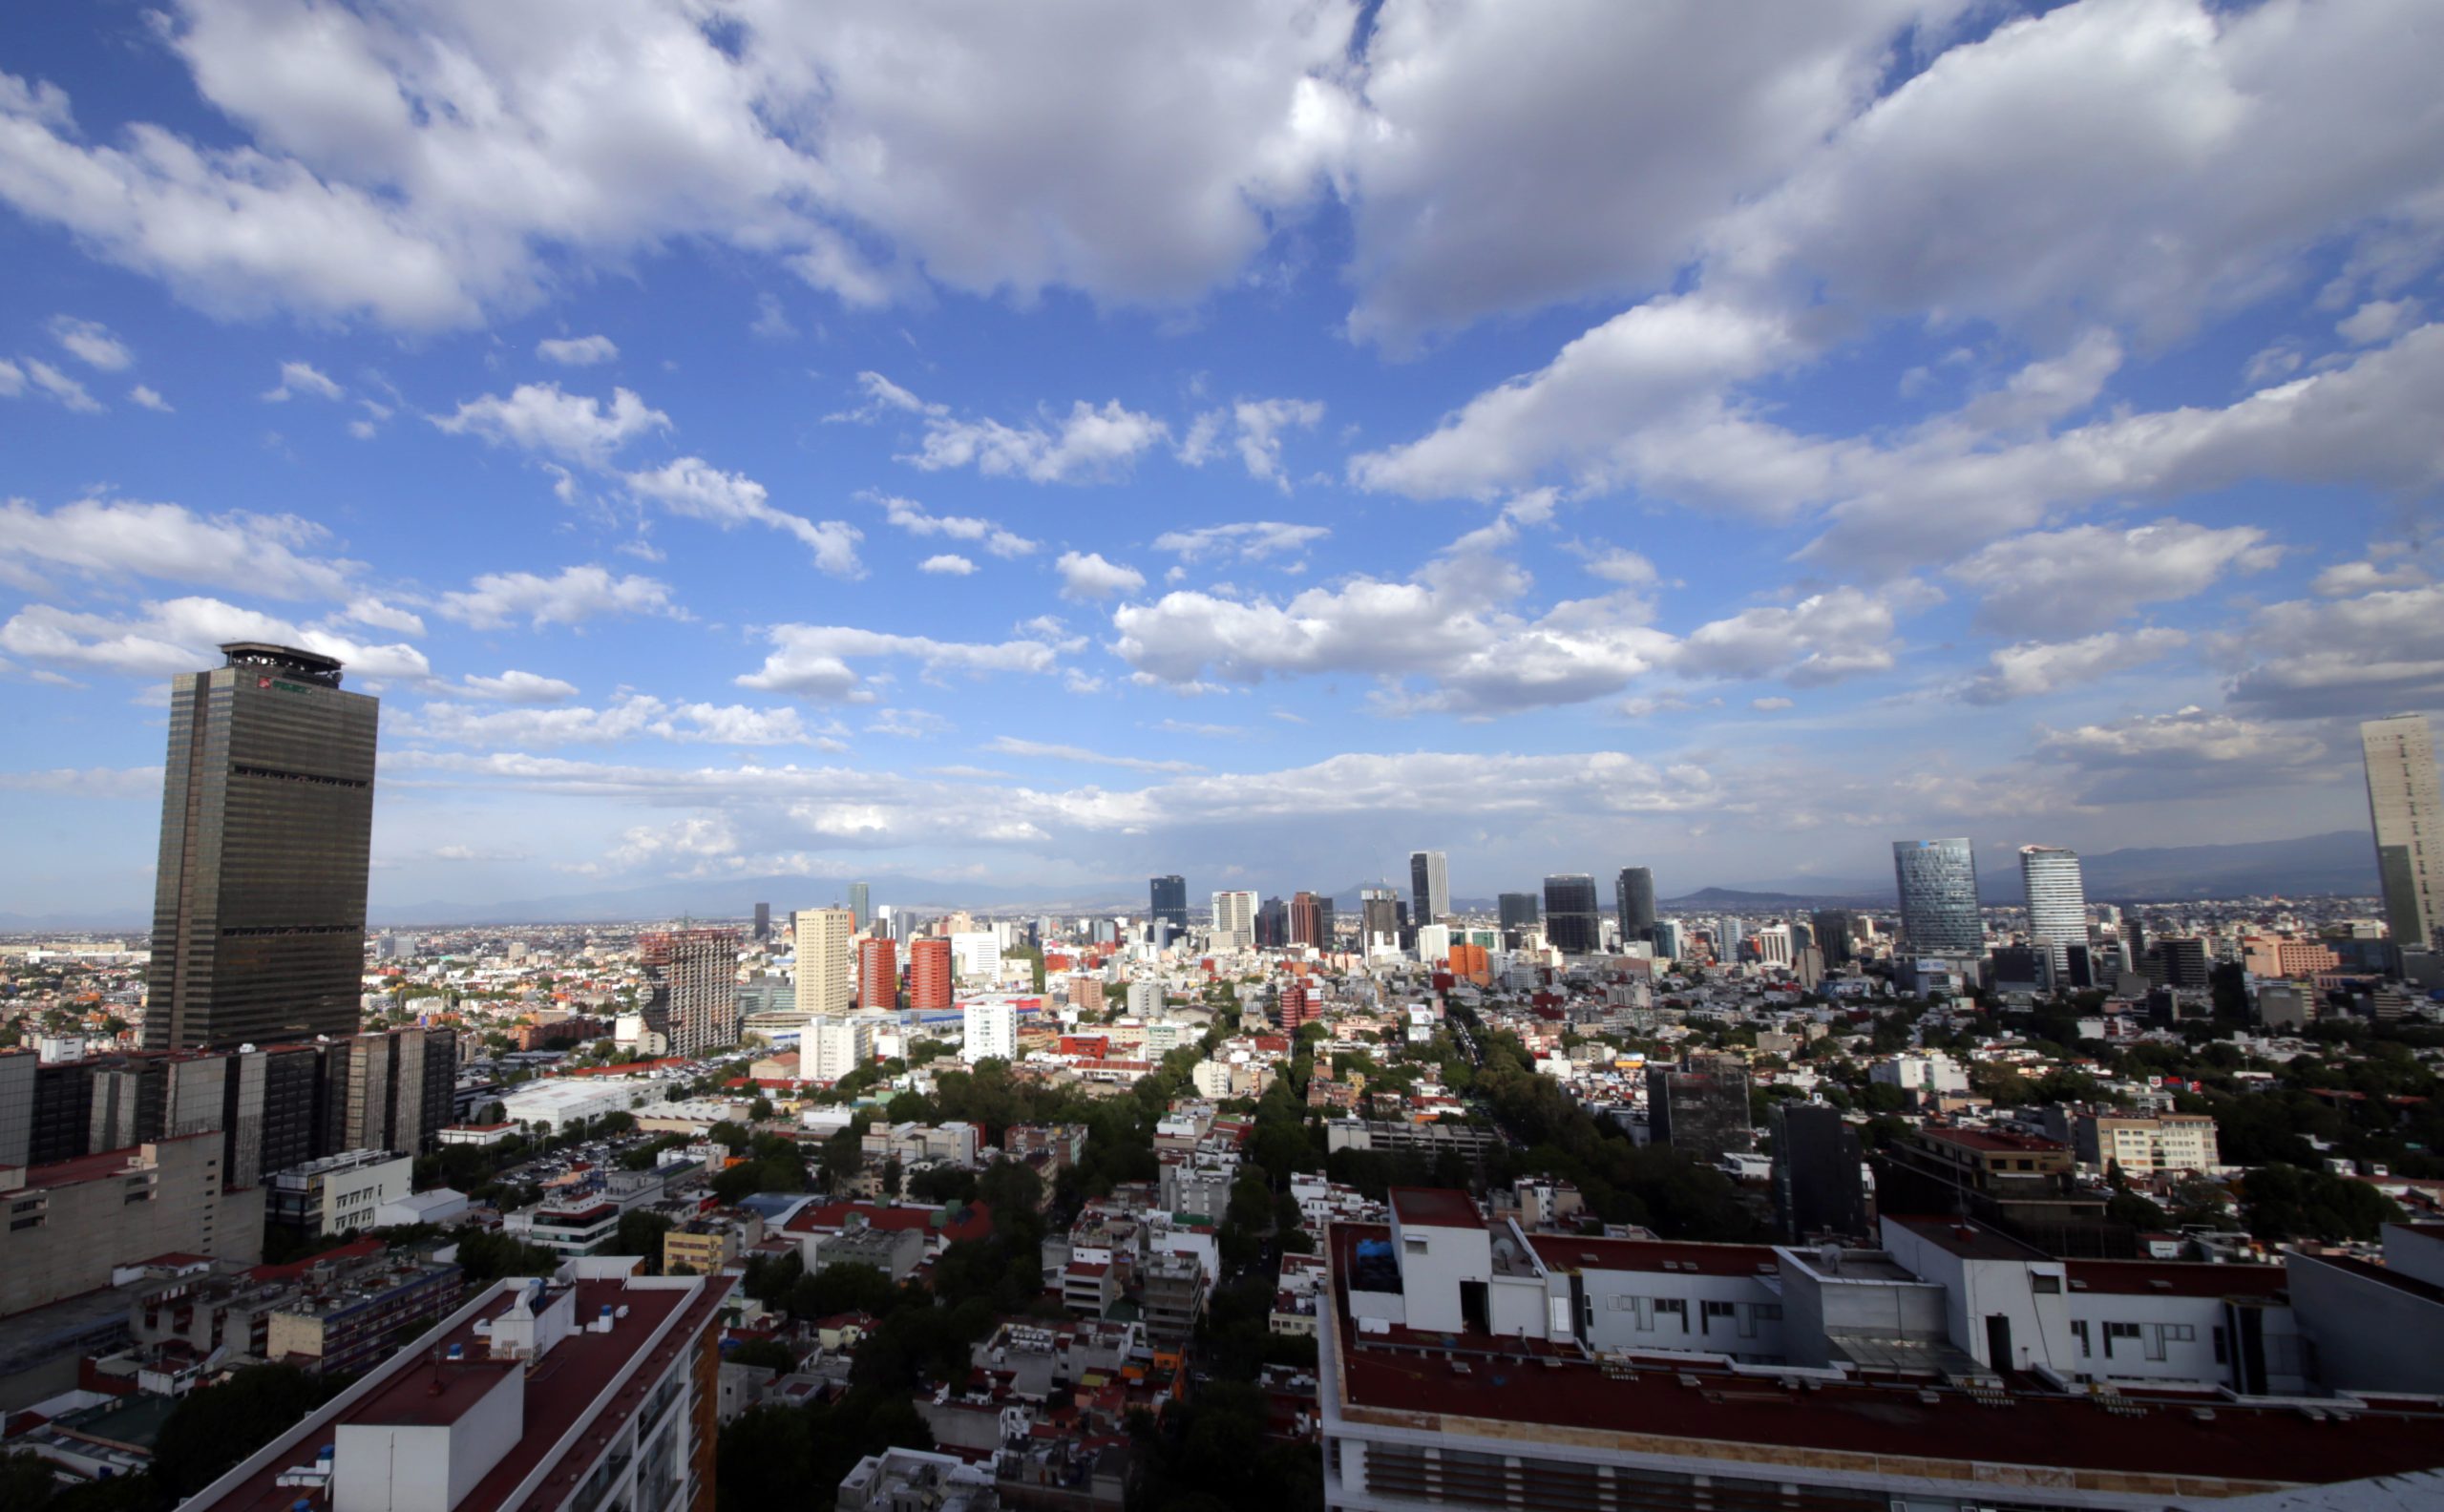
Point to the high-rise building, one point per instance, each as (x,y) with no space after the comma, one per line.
(1310,920)
(821,948)
(835,1044)
(931,975)
(1633,894)
(1701,1112)
(1429,887)
(1378,919)
(989,1031)
(2404,805)
(1937,880)
(2058,901)
(1273,923)
(1517,910)
(1168,896)
(763,922)
(860,905)
(1234,920)
(1570,914)
(392,1090)
(1836,937)
(691,980)
(877,976)
(1817,1184)
(267,833)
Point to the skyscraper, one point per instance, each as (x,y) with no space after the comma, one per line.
(692,977)
(931,974)
(1310,920)
(1234,920)
(1429,887)
(267,833)
(1517,910)
(1835,936)
(763,922)
(1937,880)
(2058,900)
(821,946)
(1273,923)
(1378,919)
(2403,804)
(877,976)
(1633,894)
(861,907)
(1570,914)
(1168,905)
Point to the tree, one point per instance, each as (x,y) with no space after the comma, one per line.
(639,1234)
(2288,1202)
(212,1429)
(890,1168)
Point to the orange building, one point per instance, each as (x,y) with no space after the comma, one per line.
(2261,955)
(1469,961)
(929,973)
(877,975)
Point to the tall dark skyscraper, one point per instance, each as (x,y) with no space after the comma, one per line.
(1937,880)
(1570,914)
(1169,904)
(267,831)
(1835,936)
(1517,910)
(763,921)
(1429,885)
(861,907)
(1633,894)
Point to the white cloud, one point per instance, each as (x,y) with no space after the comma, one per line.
(262,553)
(2034,667)
(146,395)
(90,343)
(1085,575)
(541,418)
(947,564)
(1087,445)
(1248,541)
(1770,705)
(182,635)
(2069,582)
(12,379)
(1011,746)
(301,378)
(519,687)
(693,487)
(87,782)
(574,594)
(814,661)
(2357,657)
(1825,638)
(578,351)
(2346,580)
(910,517)
(1258,425)
(2189,753)
(884,397)
(381,615)
(772,321)
(1627,568)
(635,716)
(63,389)
(2379,320)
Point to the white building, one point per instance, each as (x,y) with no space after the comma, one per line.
(1930,1071)
(339,1191)
(990,1031)
(1234,920)
(2058,900)
(572,1100)
(1433,942)
(834,1046)
(975,956)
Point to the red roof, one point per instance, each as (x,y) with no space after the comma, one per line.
(354,1249)
(1994,1142)
(975,1221)
(1568,1252)
(1434,1208)
(98,1164)
(2175,1278)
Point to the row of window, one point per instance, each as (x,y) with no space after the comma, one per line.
(2149,1340)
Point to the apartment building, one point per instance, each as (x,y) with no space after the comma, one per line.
(2144,1146)
(72,1223)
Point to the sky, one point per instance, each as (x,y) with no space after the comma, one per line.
(1042,445)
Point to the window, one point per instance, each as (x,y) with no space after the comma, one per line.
(1769,1311)
(1708,1311)
(1415,1246)
(2044,1285)
(2118,1331)
(1672,1306)
(2079,1332)
(2180,1332)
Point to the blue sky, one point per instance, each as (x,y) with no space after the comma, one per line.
(1047,445)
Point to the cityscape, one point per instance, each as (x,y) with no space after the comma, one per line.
(1734,820)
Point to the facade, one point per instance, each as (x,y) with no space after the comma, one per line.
(1703,1112)
(861,911)
(579,1393)
(338,1191)
(763,922)
(1820,1184)
(1168,905)
(1571,924)
(354,1317)
(692,976)
(930,979)
(1234,920)
(989,1031)
(1378,919)
(821,947)
(386,1090)
(2403,804)
(1937,880)
(2263,956)
(1634,898)
(1310,920)
(877,976)
(1836,937)
(70,1224)
(834,1046)
(1429,885)
(267,833)
(2143,1147)
(1517,910)
(2058,900)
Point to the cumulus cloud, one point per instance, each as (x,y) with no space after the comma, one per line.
(182,635)
(149,397)
(1825,638)
(90,343)
(2360,656)
(1087,445)
(571,597)
(2034,667)
(1011,746)
(379,614)
(578,351)
(539,417)
(693,487)
(1087,576)
(910,517)
(2189,753)
(814,661)
(2072,582)
(262,554)
(947,564)
(301,378)
(1256,425)
(519,687)
(1246,540)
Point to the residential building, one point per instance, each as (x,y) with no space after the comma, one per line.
(1234,920)
(1171,1294)
(1429,885)
(917,1480)
(2403,804)
(2058,900)
(977,955)
(1168,900)
(1937,880)
(834,1045)
(931,980)
(70,1224)
(342,1318)
(2263,955)
(1633,900)
(2144,1146)
(877,976)
(267,833)
(821,950)
(1570,914)
(692,988)
(585,1392)
(338,1191)
(989,1031)
(2017,1182)
(1379,920)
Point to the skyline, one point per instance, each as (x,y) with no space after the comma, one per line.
(1728,497)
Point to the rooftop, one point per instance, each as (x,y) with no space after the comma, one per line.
(1994,1142)
(1968,1239)
(1434,1208)
(2176,1278)
(1567,1252)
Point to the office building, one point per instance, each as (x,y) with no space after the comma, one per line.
(977,954)
(1234,920)
(2180,963)
(2058,901)
(877,976)
(821,949)
(73,1222)
(1273,924)
(338,1191)
(2403,804)
(266,829)
(1633,896)
(1429,887)
(1820,1185)
(861,909)
(1835,936)
(596,1391)
(835,1044)
(691,984)
(2142,1146)
(1517,910)
(1310,920)
(1378,919)
(1701,1110)
(1168,895)
(1937,881)
(763,922)
(931,979)
(389,1090)
(1570,914)
(989,1032)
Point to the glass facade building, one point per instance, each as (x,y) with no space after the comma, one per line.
(1169,905)
(267,832)
(1633,894)
(1429,887)
(1937,880)
(1570,914)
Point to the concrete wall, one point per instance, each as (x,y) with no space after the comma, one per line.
(2369,1336)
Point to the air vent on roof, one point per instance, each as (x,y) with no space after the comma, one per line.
(2161,1284)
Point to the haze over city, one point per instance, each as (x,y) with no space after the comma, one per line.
(1046,454)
